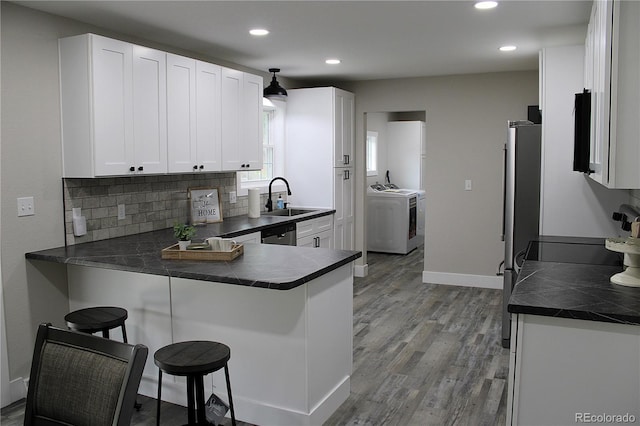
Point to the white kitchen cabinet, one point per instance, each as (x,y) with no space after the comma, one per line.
(319,155)
(406,153)
(563,368)
(208,117)
(181,113)
(193,115)
(612,74)
(128,109)
(343,219)
(113,101)
(343,122)
(316,232)
(241,120)
(254,237)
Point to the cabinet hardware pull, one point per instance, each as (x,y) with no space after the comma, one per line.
(346,175)
(345,159)
(195,167)
(132,169)
(201,167)
(140,168)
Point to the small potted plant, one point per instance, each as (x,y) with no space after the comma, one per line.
(183,233)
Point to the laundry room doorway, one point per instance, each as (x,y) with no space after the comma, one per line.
(395,152)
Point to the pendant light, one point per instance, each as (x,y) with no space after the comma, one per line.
(274,90)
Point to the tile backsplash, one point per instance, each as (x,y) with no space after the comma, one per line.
(151,202)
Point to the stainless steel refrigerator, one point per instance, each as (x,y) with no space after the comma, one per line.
(521,213)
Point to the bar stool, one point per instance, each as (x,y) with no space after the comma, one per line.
(99,319)
(194,359)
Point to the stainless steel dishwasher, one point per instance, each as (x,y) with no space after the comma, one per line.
(282,234)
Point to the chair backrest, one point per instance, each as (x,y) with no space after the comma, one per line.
(80,379)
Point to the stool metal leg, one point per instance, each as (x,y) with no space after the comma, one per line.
(233,414)
(199,382)
(105,333)
(159,397)
(191,405)
(124,334)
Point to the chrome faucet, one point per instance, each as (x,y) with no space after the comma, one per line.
(269,204)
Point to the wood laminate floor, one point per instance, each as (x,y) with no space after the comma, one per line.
(423,354)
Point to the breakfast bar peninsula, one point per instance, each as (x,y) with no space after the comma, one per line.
(285,312)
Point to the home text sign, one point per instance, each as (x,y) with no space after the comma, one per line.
(205,205)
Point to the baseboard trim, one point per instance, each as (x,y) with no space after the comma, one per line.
(18,389)
(361,270)
(462,280)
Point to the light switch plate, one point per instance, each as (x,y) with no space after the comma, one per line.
(26,206)
(232,197)
(467,185)
(121,212)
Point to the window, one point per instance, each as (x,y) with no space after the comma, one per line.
(272,150)
(372,153)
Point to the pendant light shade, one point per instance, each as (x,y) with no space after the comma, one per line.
(274,90)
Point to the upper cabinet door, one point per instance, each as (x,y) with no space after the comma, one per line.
(252,121)
(343,128)
(112,106)
(208,130)
(241,120)
(181,113)
(231,104)
(612,71)
(150,110)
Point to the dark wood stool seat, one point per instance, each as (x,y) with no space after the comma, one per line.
(98,319)
(194,359)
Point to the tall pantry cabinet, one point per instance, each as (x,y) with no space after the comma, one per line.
(319,155)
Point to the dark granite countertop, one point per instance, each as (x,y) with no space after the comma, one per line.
(261,265)
(578,291)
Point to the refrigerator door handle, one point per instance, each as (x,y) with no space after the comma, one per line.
(504,188)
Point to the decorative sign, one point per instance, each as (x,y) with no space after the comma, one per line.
(205,205)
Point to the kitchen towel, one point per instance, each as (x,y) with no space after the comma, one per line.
(254,202)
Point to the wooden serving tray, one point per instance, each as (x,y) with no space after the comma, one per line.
(174,252)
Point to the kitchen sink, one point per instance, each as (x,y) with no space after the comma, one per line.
(288,212)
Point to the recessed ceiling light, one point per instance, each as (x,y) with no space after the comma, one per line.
(483,5)
(259,32)
(332,61)
(507,48)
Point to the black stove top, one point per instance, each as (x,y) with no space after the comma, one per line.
(593,252)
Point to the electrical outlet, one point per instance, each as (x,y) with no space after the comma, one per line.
(26,206)
(121,212)
(467,185)
(232,197)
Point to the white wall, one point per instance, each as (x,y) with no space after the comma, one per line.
(466,118)
(572,204)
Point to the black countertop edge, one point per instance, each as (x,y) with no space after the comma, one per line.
(574,314)
(574,291)
(261,265)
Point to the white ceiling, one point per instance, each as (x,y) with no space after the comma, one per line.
(374,39)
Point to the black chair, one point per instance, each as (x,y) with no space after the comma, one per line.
(80,379)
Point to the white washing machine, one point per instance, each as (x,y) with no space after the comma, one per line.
(392,219)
